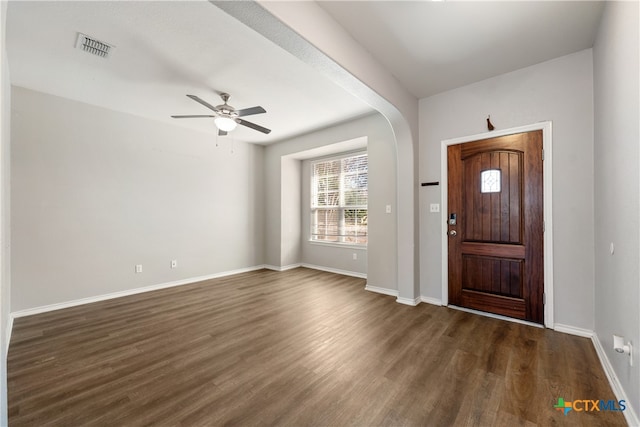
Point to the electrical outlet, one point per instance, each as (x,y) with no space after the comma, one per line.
(620,347)
(388,209)
(138,268)
(355,256)
(174,263)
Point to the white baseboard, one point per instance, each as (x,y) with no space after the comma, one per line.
(614,382)
(89,300)
(408,301)
(335,270)
(379,290)
(572,330)
(433,301)
(81,301)
(8,332)
(283,268)
(629,413)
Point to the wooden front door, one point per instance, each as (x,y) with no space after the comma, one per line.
(495,225)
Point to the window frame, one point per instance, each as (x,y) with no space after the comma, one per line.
(341,208)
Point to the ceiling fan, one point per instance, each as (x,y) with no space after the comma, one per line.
(226,117)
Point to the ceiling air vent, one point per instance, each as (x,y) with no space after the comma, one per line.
(93,46)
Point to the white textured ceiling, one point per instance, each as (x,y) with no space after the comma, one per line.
(435,46)
(167,49)
(163,51)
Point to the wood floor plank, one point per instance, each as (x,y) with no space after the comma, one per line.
(295,348)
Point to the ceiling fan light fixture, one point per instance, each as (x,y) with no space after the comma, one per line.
(227,118)
(226,124)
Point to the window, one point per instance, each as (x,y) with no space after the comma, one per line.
(490,181)
(339,197)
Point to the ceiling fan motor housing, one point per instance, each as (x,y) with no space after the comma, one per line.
(226,117)
(226,109)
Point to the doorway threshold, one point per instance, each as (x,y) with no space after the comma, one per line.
(496,316)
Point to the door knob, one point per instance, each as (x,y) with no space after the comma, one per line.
(453,233)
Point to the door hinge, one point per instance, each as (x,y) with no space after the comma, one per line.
(544,298)
(543,154)
(544,226)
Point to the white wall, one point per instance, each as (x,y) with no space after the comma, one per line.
(309,33)
(290,210)
(617,192)
(560,90)
(380,261)
(95,192)
(5,220)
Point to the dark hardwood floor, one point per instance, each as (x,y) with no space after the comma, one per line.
(295,348)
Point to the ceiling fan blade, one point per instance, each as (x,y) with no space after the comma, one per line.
(221,132)
(253,126)
(203,102)
(250,111)
(193,116)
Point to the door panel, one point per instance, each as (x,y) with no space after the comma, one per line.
(495,217)
(493,275)
(496,243)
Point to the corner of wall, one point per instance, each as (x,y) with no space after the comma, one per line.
(5,276)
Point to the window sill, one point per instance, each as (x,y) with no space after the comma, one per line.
(338,245)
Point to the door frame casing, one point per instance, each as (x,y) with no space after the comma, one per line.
(547,168)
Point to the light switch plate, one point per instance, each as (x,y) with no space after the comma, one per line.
(434,207)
